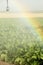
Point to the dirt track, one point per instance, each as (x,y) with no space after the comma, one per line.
(14,15)
(4,63)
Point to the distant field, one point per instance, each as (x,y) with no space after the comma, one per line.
(14,15)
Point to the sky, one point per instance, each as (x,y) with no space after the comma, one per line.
(17,5)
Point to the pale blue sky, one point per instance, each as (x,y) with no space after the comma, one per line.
(32,5)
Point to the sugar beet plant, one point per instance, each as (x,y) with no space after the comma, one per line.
(18,45)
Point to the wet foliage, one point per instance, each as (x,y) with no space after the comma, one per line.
(18,45)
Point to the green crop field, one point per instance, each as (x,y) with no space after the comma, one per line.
(40,20)
(18,44)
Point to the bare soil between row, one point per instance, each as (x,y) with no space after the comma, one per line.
(4,63)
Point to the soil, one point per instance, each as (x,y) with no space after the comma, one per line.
(4,63)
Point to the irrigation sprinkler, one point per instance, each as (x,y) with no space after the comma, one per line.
(7,9)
